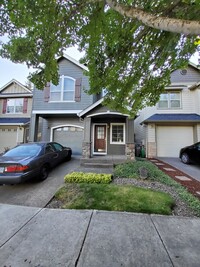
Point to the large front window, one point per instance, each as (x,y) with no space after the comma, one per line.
(14,105)
(64,91)
(117,134)
(170,100)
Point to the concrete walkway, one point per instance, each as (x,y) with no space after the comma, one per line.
(49,238)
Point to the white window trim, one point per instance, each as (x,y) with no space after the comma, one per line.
(117,143)
(62,91)
(169,101)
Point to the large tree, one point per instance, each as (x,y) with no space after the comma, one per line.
(131,46)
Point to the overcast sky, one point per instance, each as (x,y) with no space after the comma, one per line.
(9,70)
(20,72)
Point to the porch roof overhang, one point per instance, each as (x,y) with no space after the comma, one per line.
(107,114)
(157,118)
(14,121)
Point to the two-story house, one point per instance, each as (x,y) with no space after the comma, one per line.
(15,113)
(67,114)
(174,122)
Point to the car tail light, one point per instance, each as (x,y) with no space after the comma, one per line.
(16,168)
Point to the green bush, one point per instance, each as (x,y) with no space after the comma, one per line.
(80,177)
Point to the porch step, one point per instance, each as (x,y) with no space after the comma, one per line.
(102,162)
(97,165)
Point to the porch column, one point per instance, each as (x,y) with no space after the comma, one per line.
(130,145)
(86,145)
(33,128)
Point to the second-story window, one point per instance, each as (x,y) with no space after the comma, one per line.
(64,91)
(14,105)
(170,100)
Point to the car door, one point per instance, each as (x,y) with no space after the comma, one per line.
(195,153)
(62,153)
(51,155)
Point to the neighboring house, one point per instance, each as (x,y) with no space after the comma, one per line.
(175,121)
(15,113)
(69,115)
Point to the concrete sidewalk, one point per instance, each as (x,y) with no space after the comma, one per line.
(50,238)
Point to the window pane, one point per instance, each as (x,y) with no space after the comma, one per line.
(163,97)
(68,84)
(68,96)
(117,133)
(56,96)
(175,100)
(175,104)
(69,89)
(100,132)
(19,105)
(163,104)
(55,91)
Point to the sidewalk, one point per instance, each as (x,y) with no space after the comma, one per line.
(50,238)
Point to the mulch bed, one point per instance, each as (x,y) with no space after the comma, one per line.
(193,186)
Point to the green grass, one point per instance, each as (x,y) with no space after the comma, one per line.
(131,170)
(114,198)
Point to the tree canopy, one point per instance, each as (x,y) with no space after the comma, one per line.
(131,46)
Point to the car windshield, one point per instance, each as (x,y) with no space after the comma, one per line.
(23,151)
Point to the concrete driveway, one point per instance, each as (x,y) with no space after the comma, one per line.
(38,194)
(192,170)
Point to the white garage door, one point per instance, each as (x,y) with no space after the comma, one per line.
(70,136)
(8,138)
(171,139)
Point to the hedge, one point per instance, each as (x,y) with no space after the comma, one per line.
(80,177)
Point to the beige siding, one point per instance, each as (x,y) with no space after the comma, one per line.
(14,88)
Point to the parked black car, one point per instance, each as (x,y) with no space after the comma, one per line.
(190,154)
(31,161)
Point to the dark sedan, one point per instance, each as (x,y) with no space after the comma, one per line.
(31,161)
(190,154)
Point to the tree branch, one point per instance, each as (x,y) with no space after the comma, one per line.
(187,27)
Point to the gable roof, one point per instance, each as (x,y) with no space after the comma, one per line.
(15,81)
(173,118)
(73,61)
(86,110)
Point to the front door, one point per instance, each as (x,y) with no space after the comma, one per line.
(100,139)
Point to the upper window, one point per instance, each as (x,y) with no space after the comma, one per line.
(64,91)
(117,134)
(14,105)
(170,100)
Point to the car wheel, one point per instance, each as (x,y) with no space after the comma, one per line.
(185,158)
(44,172)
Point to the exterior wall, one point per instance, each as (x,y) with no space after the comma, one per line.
(45,132)
(190,103)
(192,76)
(66,68)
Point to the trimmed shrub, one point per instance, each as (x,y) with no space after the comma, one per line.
(81,177)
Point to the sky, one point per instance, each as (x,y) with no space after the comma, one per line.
(19,72)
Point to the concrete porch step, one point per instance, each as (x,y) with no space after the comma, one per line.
(97,165)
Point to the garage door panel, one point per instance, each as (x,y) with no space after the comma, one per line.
(170,139)
(71,137)
(8,138)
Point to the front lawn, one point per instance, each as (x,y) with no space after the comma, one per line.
(114,198)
